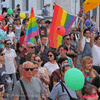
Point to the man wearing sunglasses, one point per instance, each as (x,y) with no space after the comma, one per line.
(31,85)
(71,49)
(30,48)
(59,90)
(10,62)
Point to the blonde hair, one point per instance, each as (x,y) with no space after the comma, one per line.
(83,64)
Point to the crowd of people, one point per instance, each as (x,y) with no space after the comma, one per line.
(37,70)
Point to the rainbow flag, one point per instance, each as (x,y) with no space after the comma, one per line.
(60,17)
(32,29)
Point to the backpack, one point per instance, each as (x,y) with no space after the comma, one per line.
(63,86)
(56,72)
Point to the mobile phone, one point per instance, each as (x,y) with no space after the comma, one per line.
(1,89)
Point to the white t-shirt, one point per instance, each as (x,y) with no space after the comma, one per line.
(9,61)
(83,42)
(51,67)
(4,4)
(96,55)
(10,36)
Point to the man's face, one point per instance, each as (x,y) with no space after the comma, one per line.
(45,8)
(31,47)
(8,44)
(66,61)
(47,25)
(88,34)
(44,40)
(98,41)
(8,17)
(28,70)
(27,15)
(42,22)
(66,68)
(67,40)
(18,12)
(75,30)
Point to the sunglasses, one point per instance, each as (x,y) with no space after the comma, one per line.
(2,54)
(38,60)
(91,95)
(27,69)
(8,43)
(67,38)
(49,55)
(63,50)
(32,47)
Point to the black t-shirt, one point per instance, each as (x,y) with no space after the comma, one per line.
(96,82)
(22,59)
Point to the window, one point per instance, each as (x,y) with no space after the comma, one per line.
(27,5)
(40,4)
(0,5)
(13,4)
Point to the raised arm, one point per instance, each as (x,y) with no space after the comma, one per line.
(81,33)
(92,37)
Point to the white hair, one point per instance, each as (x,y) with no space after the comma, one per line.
(27,45)
(26,63)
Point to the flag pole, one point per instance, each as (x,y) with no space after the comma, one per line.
(97,13)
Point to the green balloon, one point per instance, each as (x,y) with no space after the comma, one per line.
(10,11)
(74,79)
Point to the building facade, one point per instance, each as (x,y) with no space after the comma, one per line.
(68,5)
(38,5)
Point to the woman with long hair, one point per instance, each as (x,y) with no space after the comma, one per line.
(10,35)
(73,40)
(44,77)
(4,25)
(22,47)
(51,65)
(30,56)
(17,29)
(93,21)
(89,92)
(2,69)
(87,70)
(75,44)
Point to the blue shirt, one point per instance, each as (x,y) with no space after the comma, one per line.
(45,12)
(59,94)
